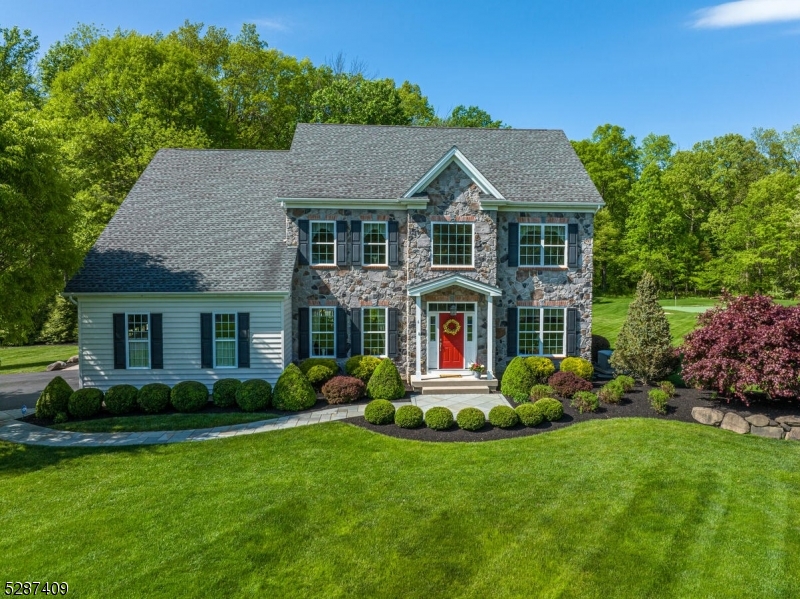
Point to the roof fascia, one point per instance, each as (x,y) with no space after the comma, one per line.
(506,206)
(454,155)
(261,294)
(449,280)
(366,204)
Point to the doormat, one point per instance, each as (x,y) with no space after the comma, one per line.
(449,376)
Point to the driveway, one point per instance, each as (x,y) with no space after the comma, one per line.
(19,389)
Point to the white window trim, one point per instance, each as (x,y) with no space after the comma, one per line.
(311,353)
(385,329)
(364,243)
(235,338)
(540,332)
(433,248)
(541,245)
(149,343)
(311,243)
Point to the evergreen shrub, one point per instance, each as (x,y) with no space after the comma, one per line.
(379,411)
(153,398)
(224,392)
(186,396)
(503,417)
(385,382)
(254,395)
(54,398)
(471,419)
(409,417)
(121,399)
(292,391)
(85,403)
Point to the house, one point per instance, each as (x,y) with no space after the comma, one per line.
(436,247)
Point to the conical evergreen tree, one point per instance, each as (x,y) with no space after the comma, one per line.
(644,345)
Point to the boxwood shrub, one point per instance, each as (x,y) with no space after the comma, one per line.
(153,398)
(329,363)
(503,417)
(471,419)
(409,417)
(585,401)
(292,391)
(188,396)
(60,418)
(343,389)
(541,368)
(361,367)
(529,414)
(627,382)
(254,395)
(54,399)
(567,384)
(85,403)
(385,382)
(658,400)
(540,391)
(121,399)
(224,392)
(379,411)
(610,393)
(578,366)
(319,375)
(517,379)
(550,408)
(439,418)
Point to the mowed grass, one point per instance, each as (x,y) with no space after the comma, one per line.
(610,508)
(33,358)
(162,422)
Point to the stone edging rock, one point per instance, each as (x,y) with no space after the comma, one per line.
(783,427)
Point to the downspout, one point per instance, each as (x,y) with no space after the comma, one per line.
(72,300)
(407,300)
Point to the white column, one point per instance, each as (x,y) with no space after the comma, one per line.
(490,337)
(418,321)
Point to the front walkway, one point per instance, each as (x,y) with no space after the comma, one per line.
(28,434)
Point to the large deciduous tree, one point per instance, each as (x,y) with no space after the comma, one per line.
(17,53)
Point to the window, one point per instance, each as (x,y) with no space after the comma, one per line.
(323,242)
(225,340)
(432,329)
(323,332)
(373,329)
(470,327)
(452,244)
(542,245)
(375,243)
(541,331)
(138,341)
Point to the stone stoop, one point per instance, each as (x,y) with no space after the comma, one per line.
(467,385)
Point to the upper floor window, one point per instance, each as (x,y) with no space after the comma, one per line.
(374,331)
(541,331)
(323,332)
(225,340)
(138,341)
(542,245)
(323,243)
(375,243)
(452,244)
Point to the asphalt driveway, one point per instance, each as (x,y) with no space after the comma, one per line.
(24,388)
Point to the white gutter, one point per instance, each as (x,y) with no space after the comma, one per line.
(72,300)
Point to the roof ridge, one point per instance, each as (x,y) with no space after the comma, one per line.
(425,127)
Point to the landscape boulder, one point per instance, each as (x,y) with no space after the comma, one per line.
(758,420)
(771,432)
(734,422)
(73,360)
(793,435)
(788,420)
(708,416)
(56,366)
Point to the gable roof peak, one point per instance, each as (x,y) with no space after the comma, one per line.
(454,155)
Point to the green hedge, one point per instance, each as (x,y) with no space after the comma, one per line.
(409,417)
(550,408)
(379,411)
(292,391)
(189,396)
(529,414)
(517,380)
(254,395)
(309,363)
(578,366)
(362,367)
(224,392)
(439,418)
(471,419)
(503,417)
(85,403)
(153,398)
(54,399)
(385,382)
(121,399)
(541,368)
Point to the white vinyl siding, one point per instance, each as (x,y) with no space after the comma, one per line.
(138,343)
(287,331)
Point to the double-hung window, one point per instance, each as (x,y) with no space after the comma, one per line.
(373,329)
(375,244)
(323,332)
(452,244)
(225,340)
(541,331)
(323,243)
(542,245)
(138,341)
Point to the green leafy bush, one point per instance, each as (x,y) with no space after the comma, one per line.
(292,391)
(610,393)
(379,411)
(540,391)
(329,363)
(153,398)
(409,417)
(188,396)
(550,408)
(567,384)
(529,414)
(578,366)
(362,367)
(224,392)
(54,398)
(85,403)
(60,418)
(585,401)
(254,395)
(627,382)
(121,399)
(471,419)
(667,387)
(517,379)
(541,368)
(343,389)
(319,375)
(439,418)
(658,400)
(385,382)
(503,417)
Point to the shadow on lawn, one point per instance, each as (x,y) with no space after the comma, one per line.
(16,458)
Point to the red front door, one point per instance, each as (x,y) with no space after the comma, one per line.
(451,345)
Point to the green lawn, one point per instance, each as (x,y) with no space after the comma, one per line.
(609,508)
(162,422)
(33,358)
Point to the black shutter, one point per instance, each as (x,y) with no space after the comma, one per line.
(572,331)
(341,243)
(206,341)
(355,331)
(341,333)
(243,335)
(394,243)
(572,245)
(355,242)
(156,342)
(302,332)
(392,333)
(119,341)
(511,349)
(302,250)
(513,244)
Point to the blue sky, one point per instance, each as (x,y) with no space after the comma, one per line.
(690,69)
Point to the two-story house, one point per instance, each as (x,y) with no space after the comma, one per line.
(436,247)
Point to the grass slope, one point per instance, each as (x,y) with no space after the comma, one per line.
(616,508)
(33,358)
(161,422)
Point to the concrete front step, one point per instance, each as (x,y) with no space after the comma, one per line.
(476,389)
(453,385)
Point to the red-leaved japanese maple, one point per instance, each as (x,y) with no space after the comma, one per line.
(749,343)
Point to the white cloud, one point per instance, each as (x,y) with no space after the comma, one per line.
(274,24)
(747,12)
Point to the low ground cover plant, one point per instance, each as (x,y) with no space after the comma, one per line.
(541,368)
(54,399)
(379,411)
(471,419)
(578,366)
(224,392)
(121,399)
(540,391)
(254,395)
(517,380)
(439,418)
(658,400)
(362,367)
(343,389)
(585,401)
(85,403)
(550,408)
(292,391)
(153,398)
(385,382)
(409,417)
(186,396)
(529,414)
(503,417)
(567,384)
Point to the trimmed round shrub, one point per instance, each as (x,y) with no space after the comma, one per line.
(310,363)
(343,389)
(517,379)
(470,419)
(627,382)
(85,403)
(529,414)
(385,382)
(567,384)
(224,392)
(254,395)
(585,401)
(550,408)
(658,400)
(540,391)
(54,398)
(292,391)
(319,375)
(439,418)
(188,396)
(379,411)
(599,343)
(153,398)
(541,368)
(579,366)
(362,367)
(409,417)
(610,393)
(503,417)
(121,399)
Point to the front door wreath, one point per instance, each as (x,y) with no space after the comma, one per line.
(451,327)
